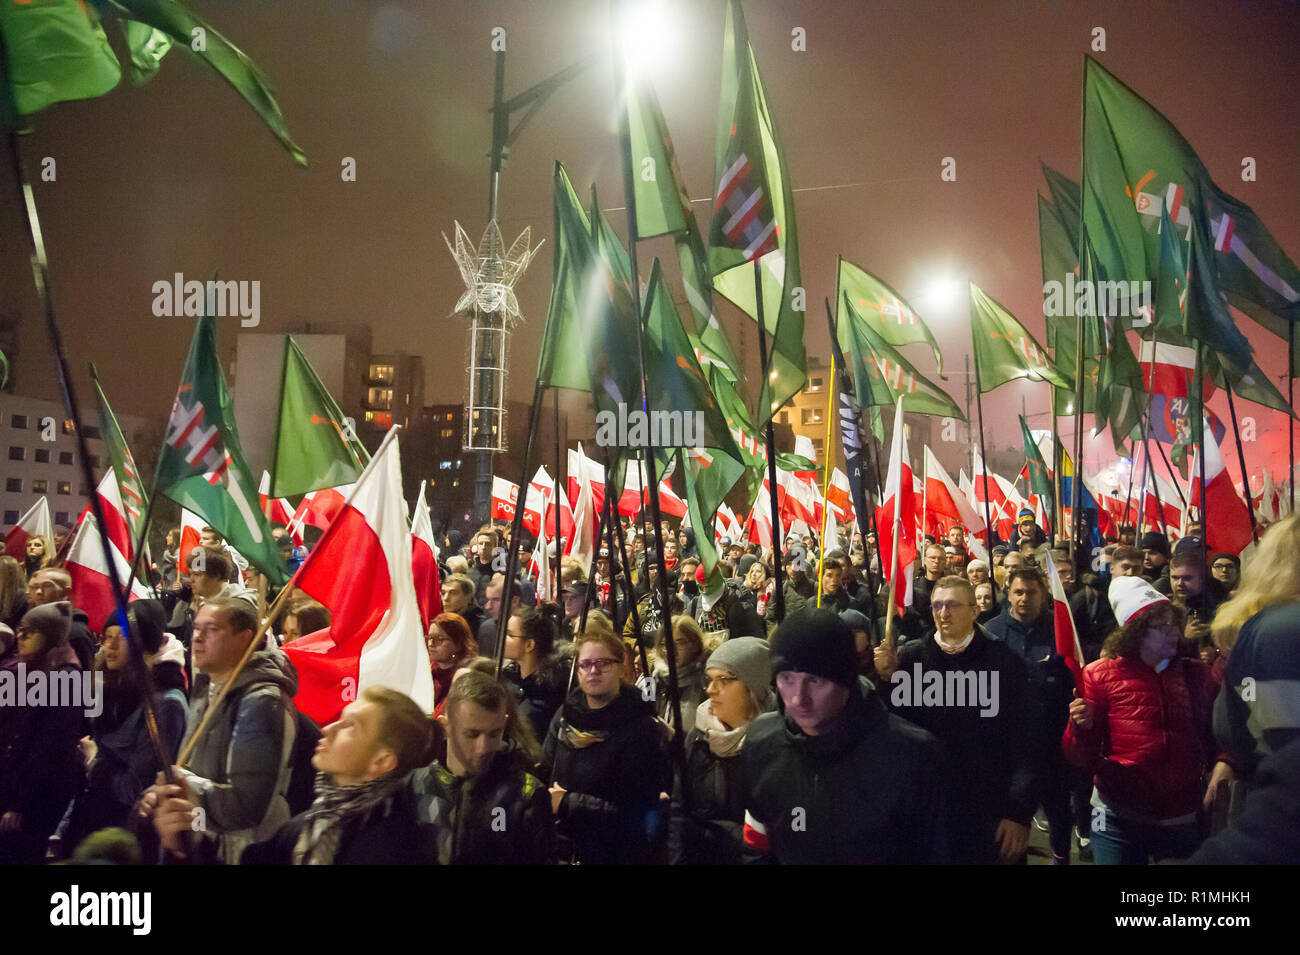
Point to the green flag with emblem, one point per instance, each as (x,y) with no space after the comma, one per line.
(1004,349)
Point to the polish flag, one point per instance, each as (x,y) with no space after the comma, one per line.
(629,501)
(320,508)
(896,518)
(361,571)
(839,497)
(539,502)
(582,543)
(759,524)
(943,497)
(191,524)
(581,466)
(110,500)
(1067,635)
(92,588)
(35,522)
(1224,515)
(669,502)
(424,562)
(280,510)
(504,497)
(1170,369)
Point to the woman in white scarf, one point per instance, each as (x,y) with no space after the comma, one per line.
(708,817)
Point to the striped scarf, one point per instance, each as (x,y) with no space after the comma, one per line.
(334,806)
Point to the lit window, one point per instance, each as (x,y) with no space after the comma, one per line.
(811,416)
(65,487)
(455,483)
(69,426)
(814,384)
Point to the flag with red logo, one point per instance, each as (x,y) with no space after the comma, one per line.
(505,495)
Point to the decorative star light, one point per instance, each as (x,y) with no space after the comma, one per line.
(490,274)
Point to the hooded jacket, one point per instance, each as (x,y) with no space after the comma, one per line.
(239,771)
(868,792)
(500,818)
(614,764)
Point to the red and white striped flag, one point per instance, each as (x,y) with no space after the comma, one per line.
(92,588)
(191,525)
(361,571)
(115,518)
(34,522)
(896,518)
(1067,636)
(1223,516)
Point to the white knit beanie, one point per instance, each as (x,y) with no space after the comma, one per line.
(1131,595)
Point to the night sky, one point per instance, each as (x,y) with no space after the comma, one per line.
(179,175)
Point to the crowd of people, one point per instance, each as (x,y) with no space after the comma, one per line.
(738,725)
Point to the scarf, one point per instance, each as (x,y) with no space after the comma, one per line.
(723,743)
(575,738)
(335,805)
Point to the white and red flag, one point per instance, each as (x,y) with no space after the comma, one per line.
(896,518)
(35,521)
(944,498)
(116,522)
(581,466)
(1169,369)
(320,508)
(759,525)
(540,504)
(1223,515)
(92,588)
(281,511)
(191,525)
(505,496)
(361,571)
(1067,635)
(839,497)
(582,543)
(424,562)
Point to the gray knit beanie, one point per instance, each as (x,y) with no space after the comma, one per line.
(53,621)
(747,659)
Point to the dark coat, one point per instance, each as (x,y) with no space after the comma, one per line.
(868,792)
(1267,831)
(500,818)
(613,761)
(1051,685)
(991,755)
(1268,653)
(386,836)
(711,833)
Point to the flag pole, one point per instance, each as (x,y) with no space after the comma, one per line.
(1241,460)
(555,495)
(894,570)
(1290,400)
(826,478)
(40,275)
(652,476)
(777,530)
(984,457)
(517,521)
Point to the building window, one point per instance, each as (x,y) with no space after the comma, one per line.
(17,453)
(65,457)
(11,517)
(380,419)
(65,487)
(381,398)
(449,415)
(39,485)
(61,517)
(382,374)
(42,455)
(94,460)
(18,421)
(814,384)
(455,483)
(91,431)
(14,485)
(811,416)
(448,432)
(69,426)
(817,443)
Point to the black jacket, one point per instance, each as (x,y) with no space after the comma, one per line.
(711,832)
(1051,685)
(386,836)
(542,692)
(989,750)
(868,792)
(500,818)
(613,761)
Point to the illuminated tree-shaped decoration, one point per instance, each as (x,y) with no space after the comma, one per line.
(489,274)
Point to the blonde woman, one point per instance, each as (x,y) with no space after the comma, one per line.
(688,641)
(40,554)
(1258,631)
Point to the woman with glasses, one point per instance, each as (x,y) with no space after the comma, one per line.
(707,821)
(606,756)
(1141,725)
(449,643)
(688,643)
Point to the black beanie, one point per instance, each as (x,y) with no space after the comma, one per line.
(1154,540)
(817,642)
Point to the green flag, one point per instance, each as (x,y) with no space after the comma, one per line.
(1059,261)
(201,466)
(1123,391)
(662,205)
(1040,482)
(754,221)
(314,446)
(884,310)
(57,51)
(1004,350)
(1137,164)
(148,46)
(1066,199)
(886,375)
(676,384)
(134,498)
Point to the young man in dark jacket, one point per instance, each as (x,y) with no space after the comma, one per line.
(980,715)
(1030,632)
(477,803)
(607,756)
(832,777)
(363,813)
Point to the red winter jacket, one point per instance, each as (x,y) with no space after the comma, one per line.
(1150,741)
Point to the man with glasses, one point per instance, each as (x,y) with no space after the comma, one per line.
(1226,569)
(606,756)
(985,733)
